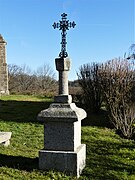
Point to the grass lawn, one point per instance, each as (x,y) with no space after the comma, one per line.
(109,157)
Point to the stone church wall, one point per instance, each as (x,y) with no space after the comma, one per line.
(3,68)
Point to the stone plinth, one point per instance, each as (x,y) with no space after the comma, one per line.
(69,162)
(63,150)
(5,138)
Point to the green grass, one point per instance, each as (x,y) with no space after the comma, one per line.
(25,98)
(109,157)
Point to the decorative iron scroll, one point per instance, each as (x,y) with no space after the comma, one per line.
(64,25)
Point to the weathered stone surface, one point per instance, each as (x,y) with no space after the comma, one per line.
(5,138)
(63,150)
(63,99)
(62,126)
(71,163)
(62,112)
(63,66)
(62,136)
(3,68)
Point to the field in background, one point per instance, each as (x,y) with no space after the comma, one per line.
(108,155)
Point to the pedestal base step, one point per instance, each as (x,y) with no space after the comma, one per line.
(68,162)
(5,138)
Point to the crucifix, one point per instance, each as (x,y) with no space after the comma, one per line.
(64,25)
(63,62)
(63,150)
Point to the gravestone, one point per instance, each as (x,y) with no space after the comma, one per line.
(63,150)
(3,68)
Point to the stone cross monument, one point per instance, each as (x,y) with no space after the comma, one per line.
(3,68)
(63,150)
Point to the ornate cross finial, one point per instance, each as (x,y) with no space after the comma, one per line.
(63,25)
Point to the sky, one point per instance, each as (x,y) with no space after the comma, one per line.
(105,29)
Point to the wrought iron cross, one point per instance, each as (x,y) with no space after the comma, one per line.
(64,25)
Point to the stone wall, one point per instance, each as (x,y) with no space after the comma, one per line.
(3,68)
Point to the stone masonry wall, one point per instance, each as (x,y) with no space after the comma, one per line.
(3,68)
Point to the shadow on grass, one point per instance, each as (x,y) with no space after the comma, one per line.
(18,162)
(26,111)
(105,160)
(21,111)
(100,119)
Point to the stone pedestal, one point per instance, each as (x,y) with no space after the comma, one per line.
(69,162)
(63,150)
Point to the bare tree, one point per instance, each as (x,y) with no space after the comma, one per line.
(131,54)
(25,79)
(13,72)
(90,83)
(22,80)
(118,78)
(46,82)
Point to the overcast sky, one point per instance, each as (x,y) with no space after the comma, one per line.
(104,30)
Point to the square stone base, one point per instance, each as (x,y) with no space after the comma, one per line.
(68,162)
